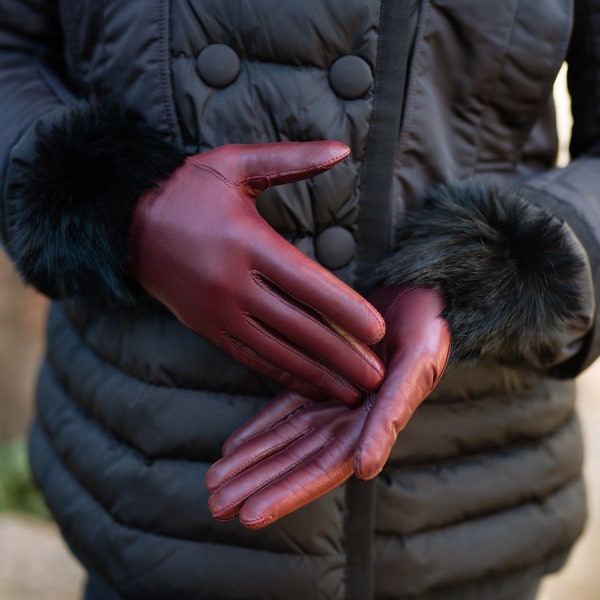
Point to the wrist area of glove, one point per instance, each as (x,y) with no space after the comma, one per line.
(415,331)
(387,297)
(71,189)
(515,280)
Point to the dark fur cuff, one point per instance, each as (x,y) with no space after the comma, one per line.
(71,200)
(509,271)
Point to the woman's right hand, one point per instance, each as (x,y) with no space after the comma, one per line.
(199,246)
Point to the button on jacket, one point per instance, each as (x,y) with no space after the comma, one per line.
(483,493)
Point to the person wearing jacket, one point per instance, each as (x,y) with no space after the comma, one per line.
(320,291)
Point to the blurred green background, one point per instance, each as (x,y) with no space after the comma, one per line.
(22,315)
(17,490)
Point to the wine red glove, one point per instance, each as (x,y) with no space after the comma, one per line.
(200,247)
(296,449)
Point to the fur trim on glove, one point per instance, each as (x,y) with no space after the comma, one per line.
(508,270)
(69,214)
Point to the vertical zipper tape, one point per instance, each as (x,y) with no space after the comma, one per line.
(375,236)
(375,218)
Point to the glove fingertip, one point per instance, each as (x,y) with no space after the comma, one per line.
(212,480)
(229,445)
(378,328)
(268,505)
(253,519)
(219,512)
(365,467)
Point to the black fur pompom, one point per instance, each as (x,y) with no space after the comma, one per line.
(70,204)
(508,270)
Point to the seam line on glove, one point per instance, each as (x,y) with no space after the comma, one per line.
(313,168)
(260,279)
(214,172)
(278,374)
(274,424)
(278,476)
(265,453)
(261,328)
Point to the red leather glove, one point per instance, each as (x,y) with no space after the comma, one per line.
(295,449)
(199,246)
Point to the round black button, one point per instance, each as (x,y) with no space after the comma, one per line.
(335,247)
(350,77)
(218,65)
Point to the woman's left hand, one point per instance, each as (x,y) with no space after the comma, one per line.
(295,449)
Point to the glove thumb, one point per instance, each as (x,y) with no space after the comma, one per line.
(255,167)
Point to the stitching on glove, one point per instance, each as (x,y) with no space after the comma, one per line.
(264,454)
(291,412)
(267,285)
(277,373)
(264,329)
(313,168)
(212,171)
(277,477)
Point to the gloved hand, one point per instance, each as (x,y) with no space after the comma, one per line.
(296,449)
(200,247)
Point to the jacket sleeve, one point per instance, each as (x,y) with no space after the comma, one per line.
(31,79)
(520,268)
(73,164)
(573,192)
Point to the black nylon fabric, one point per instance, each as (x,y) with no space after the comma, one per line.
(149,565)
(194,416)
(132,407)
(520,537)
(477,484)
(286,57)
(141,487)
(112,448)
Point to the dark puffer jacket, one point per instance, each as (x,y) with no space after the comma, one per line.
(483,492)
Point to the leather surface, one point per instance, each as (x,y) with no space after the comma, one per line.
(295,450)
(201,248)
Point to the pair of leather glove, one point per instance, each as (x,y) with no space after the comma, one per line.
(352,377)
